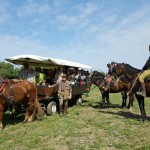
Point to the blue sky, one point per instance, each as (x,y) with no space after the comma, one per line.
(92,32)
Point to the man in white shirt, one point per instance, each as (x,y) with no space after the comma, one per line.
(30,76)
(24,72)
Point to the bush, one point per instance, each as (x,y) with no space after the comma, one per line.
(7,70)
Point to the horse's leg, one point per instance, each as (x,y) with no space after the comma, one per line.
(27,114)
(124,98)
(107,99)
(103,100)
(12,115)
(32,111)
(141,106)
(1,116)
(130,104)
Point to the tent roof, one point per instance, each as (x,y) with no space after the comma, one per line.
(34,60)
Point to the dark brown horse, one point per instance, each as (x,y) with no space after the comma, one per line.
(120,84)
(12,94)
(96,78)
(131,75)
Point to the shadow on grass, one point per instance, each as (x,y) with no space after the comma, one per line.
(126,114)
(99,105)
(8,120)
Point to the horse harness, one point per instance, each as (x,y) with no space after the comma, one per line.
(10,97)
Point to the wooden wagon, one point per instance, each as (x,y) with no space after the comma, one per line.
(48,95)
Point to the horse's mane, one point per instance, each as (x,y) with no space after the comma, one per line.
(130,69)
(97,73)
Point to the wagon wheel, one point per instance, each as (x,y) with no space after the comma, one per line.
(79,100)
(51,108)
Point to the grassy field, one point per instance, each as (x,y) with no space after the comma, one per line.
(86,127)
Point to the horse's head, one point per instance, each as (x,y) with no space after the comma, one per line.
(118,69)
(96,74)
(125,69)
(95,77)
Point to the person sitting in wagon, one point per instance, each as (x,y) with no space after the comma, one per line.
(49,80)
(39,78)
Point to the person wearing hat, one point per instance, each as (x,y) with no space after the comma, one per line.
(109,68)
(24,71)
(108,77)
(64,94)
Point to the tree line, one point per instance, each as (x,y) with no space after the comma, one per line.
(8,70)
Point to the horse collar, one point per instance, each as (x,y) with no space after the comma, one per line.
(11,96)
(2,87)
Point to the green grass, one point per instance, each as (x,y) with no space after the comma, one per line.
(86,127)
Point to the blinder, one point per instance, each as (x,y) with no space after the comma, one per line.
(1,81)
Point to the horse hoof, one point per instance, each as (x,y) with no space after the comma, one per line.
(130,109)
(29,120)
(1,127)
(142,119)
(39,118)
(24,121)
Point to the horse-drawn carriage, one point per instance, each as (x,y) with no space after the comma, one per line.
(48,95)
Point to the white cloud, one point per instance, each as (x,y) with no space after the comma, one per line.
(80,19)
(4,16)
(87,9)
(97,34)
(32,8)
(14,45)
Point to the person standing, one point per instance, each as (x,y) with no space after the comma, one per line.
(24,72)
(64,94)
(31,75)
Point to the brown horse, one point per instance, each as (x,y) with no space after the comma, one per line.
(120,84)
(131,75)
(12,94)
(96,78)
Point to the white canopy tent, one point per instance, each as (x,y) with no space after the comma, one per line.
(34,60)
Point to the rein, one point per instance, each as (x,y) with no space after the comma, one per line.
(95,82)
(134,81)
(118,79)
(10,98)
(2,86)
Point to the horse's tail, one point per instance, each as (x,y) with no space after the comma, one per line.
(40,111)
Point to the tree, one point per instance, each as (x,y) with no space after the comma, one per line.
(7,70)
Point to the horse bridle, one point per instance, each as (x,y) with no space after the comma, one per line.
(118,79)
(10,97)
(130,82)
